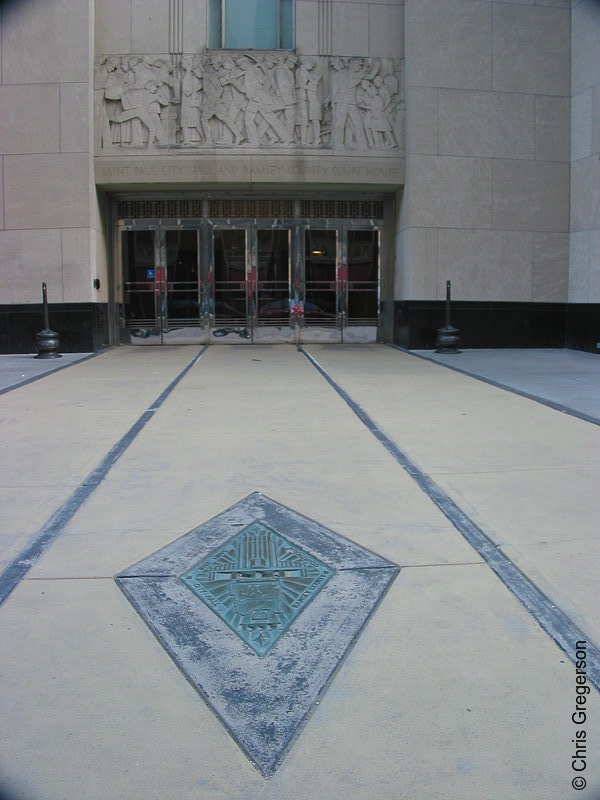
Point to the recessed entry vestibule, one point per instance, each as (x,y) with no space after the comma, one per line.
(234,271)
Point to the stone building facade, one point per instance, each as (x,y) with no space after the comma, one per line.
(316,170)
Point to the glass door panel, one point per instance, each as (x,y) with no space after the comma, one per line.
(182,281)
(230,286)
(141,279)
(320,305)
(363,277)
(273,276)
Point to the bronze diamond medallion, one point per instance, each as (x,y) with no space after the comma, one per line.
(258,607)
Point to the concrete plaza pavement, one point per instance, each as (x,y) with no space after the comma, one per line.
(453,690)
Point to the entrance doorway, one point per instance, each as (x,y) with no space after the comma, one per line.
(248,280)
(252,286)
(162,289)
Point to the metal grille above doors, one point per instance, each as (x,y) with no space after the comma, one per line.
(250,208)
(341,209)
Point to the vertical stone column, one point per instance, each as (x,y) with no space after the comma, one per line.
(486,201)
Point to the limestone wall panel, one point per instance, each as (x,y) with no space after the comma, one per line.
(75,118)
(29,118)
(450,192)
(493,265)
(29,258)
(585,194)
(552,128)
(422,249)
(307,26)
(550,267)
(2,193)
(112,29)
(448,44)
(488,124)
(150,26)
(553,3)
(77,259)
(531,49)
(581,125)
(585,52)
(350,29)
(422,120)
(579,267)
(46,191)
(594,291)
(100,266)
(596,119)
(195,16)
(584,267)
(386,31)
(45,41)
(530,195)
(401,270)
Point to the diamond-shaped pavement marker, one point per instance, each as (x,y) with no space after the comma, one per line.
(258,583)
(258,607)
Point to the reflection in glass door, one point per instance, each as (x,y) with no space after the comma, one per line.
(272,287)
(251,268)
(141,284)
(231,287)
(256,280)
(320,294)
(161,285)
(182,284)
(363,277)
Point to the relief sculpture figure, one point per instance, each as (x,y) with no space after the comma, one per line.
(113,81)
(348,126)
(308,79)
(233,100)
(105,98)
(144,106)
(215,108)
(266,100)
(285,83)
(262,103)
(191,102)
(376,99)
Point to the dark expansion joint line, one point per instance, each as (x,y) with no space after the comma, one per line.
(20,566)
(551,619)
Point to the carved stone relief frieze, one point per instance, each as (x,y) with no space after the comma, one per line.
(267,101)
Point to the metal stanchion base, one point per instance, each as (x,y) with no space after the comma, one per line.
(447,340)
(47,343)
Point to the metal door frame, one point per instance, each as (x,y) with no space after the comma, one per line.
(162,316)
(251,227)
(205,229)
(342,227)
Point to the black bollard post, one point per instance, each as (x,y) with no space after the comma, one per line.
(47,341)
(447,340)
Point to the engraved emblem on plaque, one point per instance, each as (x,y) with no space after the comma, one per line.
(258,583)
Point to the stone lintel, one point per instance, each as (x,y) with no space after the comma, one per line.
(187,171)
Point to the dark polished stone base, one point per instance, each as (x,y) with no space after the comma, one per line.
(492,325)
(83,327)
(583,326)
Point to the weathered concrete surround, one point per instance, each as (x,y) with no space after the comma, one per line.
(446,689)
